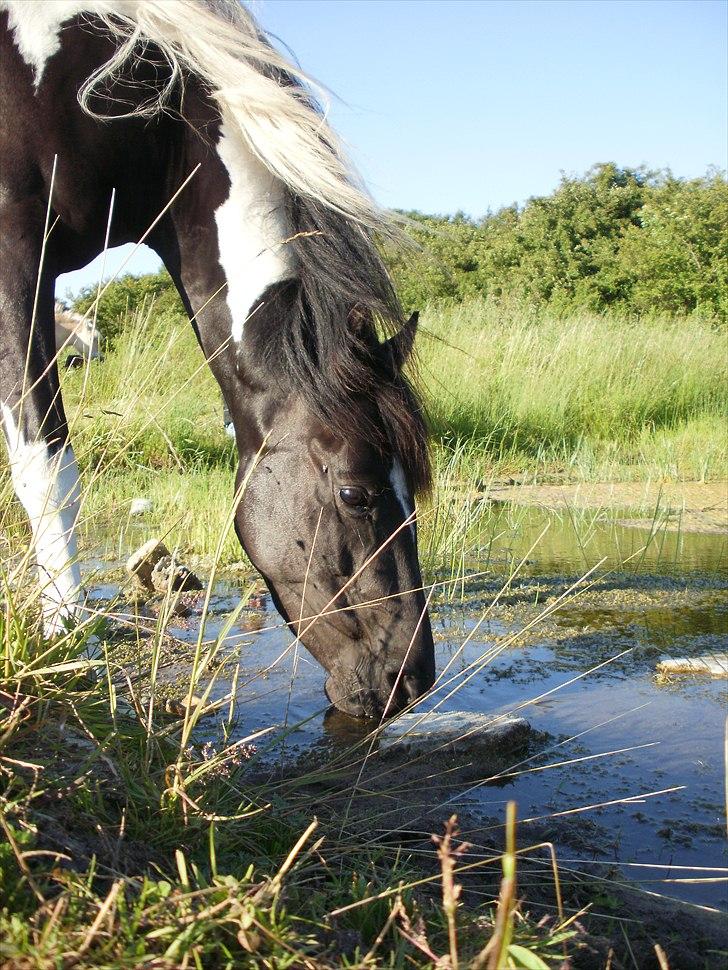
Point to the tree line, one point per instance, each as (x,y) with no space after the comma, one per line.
(612,239)
(619,239)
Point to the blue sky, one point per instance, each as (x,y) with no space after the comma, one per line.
(474,104)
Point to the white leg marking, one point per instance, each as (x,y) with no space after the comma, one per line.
(48,488)
(252,229)
(399,487)
(36,26)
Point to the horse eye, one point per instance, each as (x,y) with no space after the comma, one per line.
(354,496)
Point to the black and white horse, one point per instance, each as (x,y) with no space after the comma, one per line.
(211,138)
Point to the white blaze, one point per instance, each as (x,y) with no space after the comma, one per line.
(399,487)
(252,229)
(48,489)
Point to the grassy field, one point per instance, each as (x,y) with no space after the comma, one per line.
(586,398)
(183,858)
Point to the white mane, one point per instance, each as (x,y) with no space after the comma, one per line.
(220,42)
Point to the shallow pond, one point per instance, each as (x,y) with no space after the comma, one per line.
(629,771)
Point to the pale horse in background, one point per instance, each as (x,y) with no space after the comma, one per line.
(76,333)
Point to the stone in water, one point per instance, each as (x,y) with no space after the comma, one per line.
(460,731)
(714,664)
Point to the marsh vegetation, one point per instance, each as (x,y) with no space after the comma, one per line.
(174,793)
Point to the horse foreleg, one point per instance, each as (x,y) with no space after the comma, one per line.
(45,478)
(42,463)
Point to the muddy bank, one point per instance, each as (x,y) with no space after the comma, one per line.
(685,506)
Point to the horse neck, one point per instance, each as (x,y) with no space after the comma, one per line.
(224,244)
(230,235)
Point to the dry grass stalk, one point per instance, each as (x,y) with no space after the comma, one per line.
(449,855)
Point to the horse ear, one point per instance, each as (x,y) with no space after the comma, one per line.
(401,344)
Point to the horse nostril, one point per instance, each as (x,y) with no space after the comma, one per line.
(411,686)
(407,686)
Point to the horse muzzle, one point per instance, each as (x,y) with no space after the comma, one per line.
(390,693)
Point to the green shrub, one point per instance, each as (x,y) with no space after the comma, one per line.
(621,239)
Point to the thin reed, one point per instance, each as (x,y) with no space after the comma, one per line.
(585,396)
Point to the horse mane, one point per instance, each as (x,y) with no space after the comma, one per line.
(260,93)
(325,335)
(343,292)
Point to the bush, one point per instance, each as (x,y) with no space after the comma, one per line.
(677,256)
(624,239)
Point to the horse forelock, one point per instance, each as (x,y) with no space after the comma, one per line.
(345,300)
(321,333)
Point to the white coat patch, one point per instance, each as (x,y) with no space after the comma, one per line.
(36,26)
(48,489)
(252,229)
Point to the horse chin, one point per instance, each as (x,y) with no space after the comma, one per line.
(356,703)
(357,684)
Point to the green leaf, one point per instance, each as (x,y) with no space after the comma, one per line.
(526,958)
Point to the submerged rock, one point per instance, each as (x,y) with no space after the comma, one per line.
(714,664)
(155,570)
(170,575)
(456,731)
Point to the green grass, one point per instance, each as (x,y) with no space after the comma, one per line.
(586,397)
(148,423)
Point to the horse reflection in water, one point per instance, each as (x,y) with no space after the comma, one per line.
(222,161)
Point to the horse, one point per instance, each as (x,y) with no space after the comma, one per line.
(76,332)
(222,161)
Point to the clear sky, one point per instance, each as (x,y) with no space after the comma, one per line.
(470,105)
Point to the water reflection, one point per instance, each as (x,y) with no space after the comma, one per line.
(665,599)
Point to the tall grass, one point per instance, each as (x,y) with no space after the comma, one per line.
(148,423)
(509,391)
(586,395)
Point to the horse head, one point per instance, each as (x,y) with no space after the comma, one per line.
(77,332)
(327,513)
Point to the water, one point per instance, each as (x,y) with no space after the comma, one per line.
(613,735)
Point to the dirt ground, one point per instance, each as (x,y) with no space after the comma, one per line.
(684,506)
